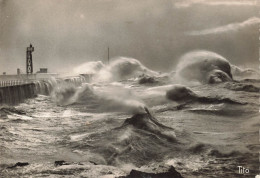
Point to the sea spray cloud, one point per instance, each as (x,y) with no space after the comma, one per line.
(122,68)
(114,98)
(63,92)
(244,72)
(91,67)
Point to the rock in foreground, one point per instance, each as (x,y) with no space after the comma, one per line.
(170,173)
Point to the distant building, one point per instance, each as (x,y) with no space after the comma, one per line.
(18,71)
(43,70)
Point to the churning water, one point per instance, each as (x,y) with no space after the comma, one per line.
(117,123)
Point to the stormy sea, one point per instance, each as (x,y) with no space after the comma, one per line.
(199,120)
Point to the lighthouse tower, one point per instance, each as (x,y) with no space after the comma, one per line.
(29,63)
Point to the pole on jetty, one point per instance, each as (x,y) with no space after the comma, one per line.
(108,55)
(29,63)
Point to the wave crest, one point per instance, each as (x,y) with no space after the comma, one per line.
(204,66)
(121,69)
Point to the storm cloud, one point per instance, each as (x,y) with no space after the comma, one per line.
(233,27)
(66,33)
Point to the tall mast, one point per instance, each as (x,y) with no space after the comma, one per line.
(108,55)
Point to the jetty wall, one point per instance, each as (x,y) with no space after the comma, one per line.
(16,91)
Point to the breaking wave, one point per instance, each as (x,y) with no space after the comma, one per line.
(91,67)
(96,99)
(63,93)
(180,93)
(204,66)
(96,126)
(139,137)
(149,123)
(121,69)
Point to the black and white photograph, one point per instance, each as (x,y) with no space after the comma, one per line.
(129,88)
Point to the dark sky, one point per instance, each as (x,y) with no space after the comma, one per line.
(66,33)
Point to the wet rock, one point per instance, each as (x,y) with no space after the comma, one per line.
(4,110)
(147,80)
(60,163)
(19,164)
(109,172)
(170,173)
(93,162)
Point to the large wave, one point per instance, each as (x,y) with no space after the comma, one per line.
(204,66)
(149,123)
(122,68)
(98,99)
(63,93)
(180,93)
(138,138)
